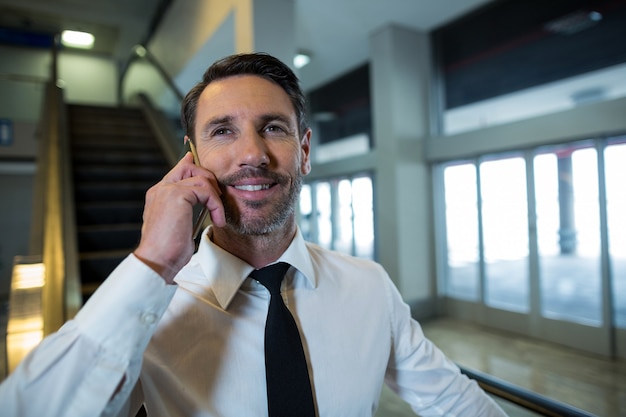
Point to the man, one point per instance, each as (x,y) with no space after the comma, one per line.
(186,334)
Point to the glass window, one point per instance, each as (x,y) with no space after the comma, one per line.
(344,215)
(568,233)
(343,238)
(615,169)
(306,212)
(324,213)
(505,233)
(363,208)
(461,231)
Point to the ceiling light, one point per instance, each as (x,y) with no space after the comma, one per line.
(301,59)
(140,51)
(77,39)
(574,22)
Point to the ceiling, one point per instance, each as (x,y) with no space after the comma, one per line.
(335,32)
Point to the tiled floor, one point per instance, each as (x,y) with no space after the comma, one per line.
(590,383)
(594,384)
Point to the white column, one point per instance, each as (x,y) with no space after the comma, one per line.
(274,28)
(400,79)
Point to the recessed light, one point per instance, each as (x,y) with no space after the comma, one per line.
(301,59)
(76,39)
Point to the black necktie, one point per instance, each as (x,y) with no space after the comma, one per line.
(288,386)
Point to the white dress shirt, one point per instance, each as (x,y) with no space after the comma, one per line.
(204,339)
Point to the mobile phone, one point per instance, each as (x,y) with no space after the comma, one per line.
(197,226)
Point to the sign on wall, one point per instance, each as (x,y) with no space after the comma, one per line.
(6,132)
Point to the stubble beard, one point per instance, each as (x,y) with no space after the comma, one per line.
(261,225)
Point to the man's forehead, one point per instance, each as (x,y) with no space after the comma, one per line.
(227,84)
(245,92)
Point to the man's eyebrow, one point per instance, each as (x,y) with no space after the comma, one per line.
(277,117)
(215,122)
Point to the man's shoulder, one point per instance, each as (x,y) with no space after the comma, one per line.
(331,258)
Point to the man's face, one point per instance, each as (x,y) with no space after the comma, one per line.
(247,135)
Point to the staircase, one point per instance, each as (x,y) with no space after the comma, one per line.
(115,159)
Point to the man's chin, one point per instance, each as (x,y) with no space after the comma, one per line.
(258,223)
(251,228)
(250,224)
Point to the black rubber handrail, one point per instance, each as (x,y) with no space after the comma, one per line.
(524,398)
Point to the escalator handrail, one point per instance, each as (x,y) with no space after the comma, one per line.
(527,399)
(142,52)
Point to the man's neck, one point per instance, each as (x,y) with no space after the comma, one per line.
(257,250)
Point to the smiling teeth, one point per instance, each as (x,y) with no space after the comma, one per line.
(253,187)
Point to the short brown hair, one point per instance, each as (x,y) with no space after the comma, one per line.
(260,64)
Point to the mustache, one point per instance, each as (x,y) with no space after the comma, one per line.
(251,172)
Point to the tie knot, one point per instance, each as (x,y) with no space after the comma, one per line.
(271,276)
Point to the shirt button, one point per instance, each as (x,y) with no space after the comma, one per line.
(148,318)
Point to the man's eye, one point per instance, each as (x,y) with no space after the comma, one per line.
(221,131)
(275,129)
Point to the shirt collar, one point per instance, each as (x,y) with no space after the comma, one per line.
(226,272)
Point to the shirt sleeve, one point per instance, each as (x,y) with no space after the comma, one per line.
(424,377)
(77,370)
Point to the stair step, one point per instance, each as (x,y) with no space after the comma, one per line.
(118,156)
(90,140)
(79,115)
(108,237)
(109,212)
(85,110)
(87,289)
(95,267)
(111,191)
(128,172)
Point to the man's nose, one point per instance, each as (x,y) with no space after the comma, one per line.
(252,149)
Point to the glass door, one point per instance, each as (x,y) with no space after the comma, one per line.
(531,245)
(569,235)
(505,233)
(615,168)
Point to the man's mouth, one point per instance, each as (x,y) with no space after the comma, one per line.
(253,180)
(251,187)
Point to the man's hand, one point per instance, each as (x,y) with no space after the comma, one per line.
(166,235)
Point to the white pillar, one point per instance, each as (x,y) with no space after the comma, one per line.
(400,79)
(274,28)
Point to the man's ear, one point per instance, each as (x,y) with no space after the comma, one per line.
(305,146)
(186,146)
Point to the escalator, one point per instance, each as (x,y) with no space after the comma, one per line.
(115,158)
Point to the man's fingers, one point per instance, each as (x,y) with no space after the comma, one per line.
(216,211)
(184,168)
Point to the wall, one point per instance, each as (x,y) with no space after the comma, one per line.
(210,30)
(194,24)
(16,184)
(85,79)
(88,79)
